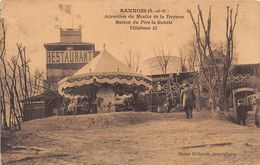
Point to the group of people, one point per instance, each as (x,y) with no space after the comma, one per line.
(188,97)
(85,105)
(242,112)
(187,100)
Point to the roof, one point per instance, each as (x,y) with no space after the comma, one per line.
(249,65)
(48,95)
(242,69)
(218,53)
(68,43)
(169,74)
(103,69)
(104,62)
(152,66)
(155,58)
(182,76)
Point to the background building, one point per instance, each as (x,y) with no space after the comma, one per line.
(66,57)
(151,66)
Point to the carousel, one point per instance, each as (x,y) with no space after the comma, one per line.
(104,79)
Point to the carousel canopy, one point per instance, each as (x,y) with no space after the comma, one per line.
(104,68)
(104,62)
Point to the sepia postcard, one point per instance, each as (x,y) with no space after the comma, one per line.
(127,82)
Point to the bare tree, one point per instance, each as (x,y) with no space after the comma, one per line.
(3,100)
(16,83)
(183,59)
(132,60)
(29,84)
(2,77)
(214,76)
(163,58)
(192,55)
(8,83)
(13,93)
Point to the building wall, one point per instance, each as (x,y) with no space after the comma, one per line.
(70,35)
(34,110)
(66,57)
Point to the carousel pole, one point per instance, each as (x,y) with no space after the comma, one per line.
(150,102)
(94,97)
(170,88)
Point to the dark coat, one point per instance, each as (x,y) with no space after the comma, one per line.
(187,97)
(242,111)
(257,116)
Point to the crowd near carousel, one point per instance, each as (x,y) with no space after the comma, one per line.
(104,85)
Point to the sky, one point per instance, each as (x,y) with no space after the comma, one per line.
(35,22)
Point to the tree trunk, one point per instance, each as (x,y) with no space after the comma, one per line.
(223,100)
(3,107)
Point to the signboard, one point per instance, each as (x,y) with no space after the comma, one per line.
(69,56)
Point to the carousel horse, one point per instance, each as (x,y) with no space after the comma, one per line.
(72,108)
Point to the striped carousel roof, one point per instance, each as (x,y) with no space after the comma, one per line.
(104,68)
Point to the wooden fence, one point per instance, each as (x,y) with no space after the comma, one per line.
(172,87)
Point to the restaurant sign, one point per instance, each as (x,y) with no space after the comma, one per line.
(69,56)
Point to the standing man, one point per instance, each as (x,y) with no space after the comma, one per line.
(242,112)
(187,99)
(257,113)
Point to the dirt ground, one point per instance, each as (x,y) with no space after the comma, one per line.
(133,138)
